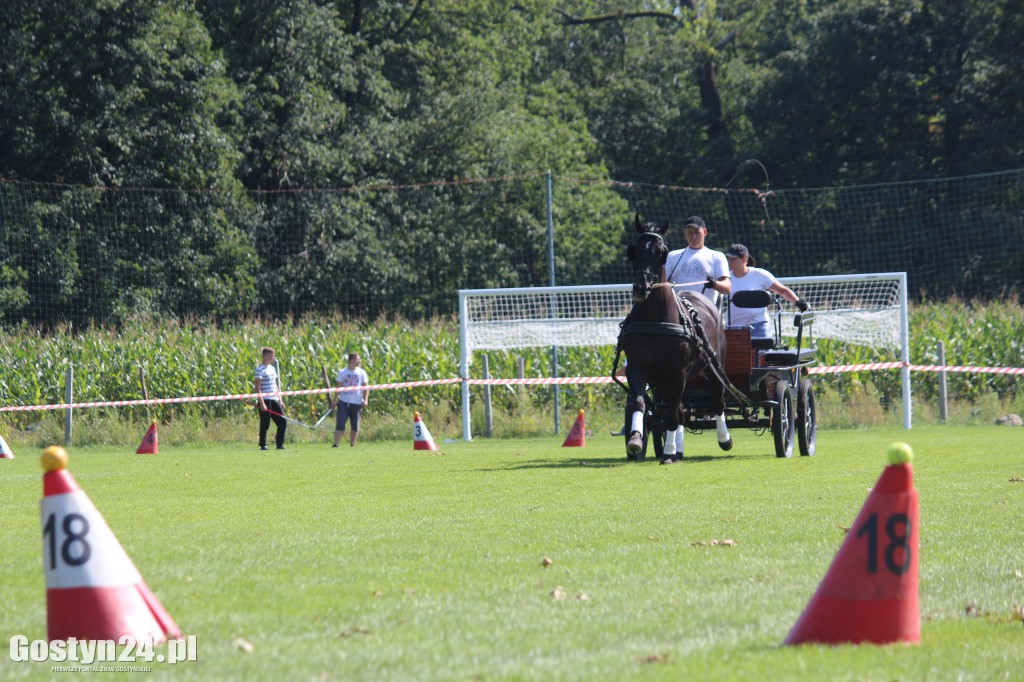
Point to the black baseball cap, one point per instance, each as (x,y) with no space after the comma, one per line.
(738,251)
(696,221)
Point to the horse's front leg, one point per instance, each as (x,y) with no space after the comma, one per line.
(679,433)
(673,450)
(636,403)
(636,408)
(718,402)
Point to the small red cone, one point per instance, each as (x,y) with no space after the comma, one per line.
(5,449)
(93,590)
(421,438)
(149,444)
(577,437)
(869,593)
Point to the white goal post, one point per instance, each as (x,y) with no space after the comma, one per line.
(866,309)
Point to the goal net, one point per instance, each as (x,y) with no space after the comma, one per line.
(867,310)
(531,317)
(861,309)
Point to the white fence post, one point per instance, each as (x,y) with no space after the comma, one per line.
(488,414)
(69,394)
(940,350)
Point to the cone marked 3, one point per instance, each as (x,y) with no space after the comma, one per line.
(577,437)
(421,438)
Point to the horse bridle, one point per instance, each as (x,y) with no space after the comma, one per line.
(647,277)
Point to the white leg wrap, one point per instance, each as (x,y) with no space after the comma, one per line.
(679,439)
(638,422)
(723,430)
(670,443)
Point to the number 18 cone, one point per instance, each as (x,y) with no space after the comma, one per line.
(93,590)
(869,594)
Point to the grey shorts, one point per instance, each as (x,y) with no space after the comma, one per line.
(347,412)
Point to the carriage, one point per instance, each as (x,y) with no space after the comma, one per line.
(767,390)
(688,371)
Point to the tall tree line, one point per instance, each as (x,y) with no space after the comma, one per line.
(224,98)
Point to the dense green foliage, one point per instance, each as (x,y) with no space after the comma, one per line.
(182,360)
(225,108)
(327,94)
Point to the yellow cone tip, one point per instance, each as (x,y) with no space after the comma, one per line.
(415,415)
(899,453)
(581,413)
(54,458)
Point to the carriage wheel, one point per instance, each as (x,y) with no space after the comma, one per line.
(783,416)
(806,419)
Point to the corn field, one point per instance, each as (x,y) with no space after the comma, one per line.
(193,358)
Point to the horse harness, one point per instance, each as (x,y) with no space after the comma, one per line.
(688,318)
(686,313)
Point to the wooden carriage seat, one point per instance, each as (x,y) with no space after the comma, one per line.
(739,355)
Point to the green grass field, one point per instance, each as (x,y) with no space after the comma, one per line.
(378,562)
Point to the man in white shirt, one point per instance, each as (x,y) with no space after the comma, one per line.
(350,404)
(268,395)
(700,268)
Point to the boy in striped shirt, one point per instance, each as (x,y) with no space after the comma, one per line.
(268,390)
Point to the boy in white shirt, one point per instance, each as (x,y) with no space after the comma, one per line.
(350,404)
(702,269)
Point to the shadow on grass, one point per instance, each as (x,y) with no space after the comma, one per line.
(573,463)
(605,462)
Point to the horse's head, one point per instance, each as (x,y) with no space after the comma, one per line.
(647,254)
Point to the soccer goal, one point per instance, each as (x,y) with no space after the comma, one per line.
(865,309)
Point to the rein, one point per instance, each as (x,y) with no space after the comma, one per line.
(677,284)
(711,357)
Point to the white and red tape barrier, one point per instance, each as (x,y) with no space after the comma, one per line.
(540,381)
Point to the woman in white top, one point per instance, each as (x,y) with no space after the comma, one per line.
(745,277)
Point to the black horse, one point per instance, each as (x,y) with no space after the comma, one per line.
(667,338)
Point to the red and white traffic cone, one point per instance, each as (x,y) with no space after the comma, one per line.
(93,590)
(421,438)
(577,437)
(869,593)
(5,449)
(150,444)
